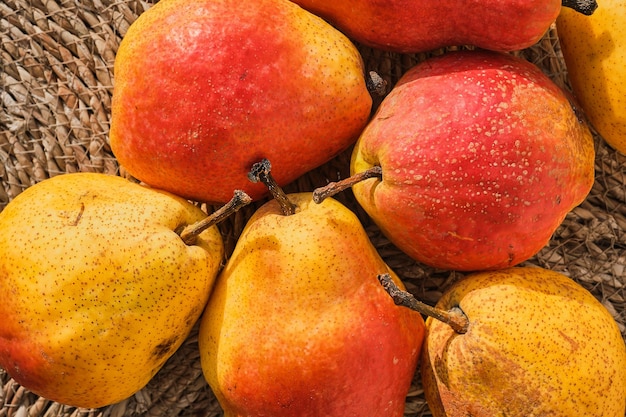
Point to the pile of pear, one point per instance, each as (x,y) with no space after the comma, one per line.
(470,163)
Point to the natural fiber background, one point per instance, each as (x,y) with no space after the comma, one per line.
(56,78)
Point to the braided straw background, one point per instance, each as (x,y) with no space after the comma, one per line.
(56,78)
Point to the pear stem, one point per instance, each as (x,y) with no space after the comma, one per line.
(261,171)
(190,234)
(454,318)
(586,7)
(375,84)
(332,188)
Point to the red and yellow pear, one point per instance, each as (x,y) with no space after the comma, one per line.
(297,324)
(215,85)
(425,25)
(478,157)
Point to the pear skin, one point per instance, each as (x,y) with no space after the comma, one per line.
(538,344)
(215,85)
(410,26)
(99,288)
(297,324)
(482,157)
(594,50)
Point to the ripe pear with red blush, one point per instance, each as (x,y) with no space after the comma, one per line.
(297,324)
(424,25)
(215,85)
(477,158)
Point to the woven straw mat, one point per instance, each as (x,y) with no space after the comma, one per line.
(56,79)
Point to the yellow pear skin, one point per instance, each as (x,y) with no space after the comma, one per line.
(98,289)
(538,344)
(298,325)
(594,50)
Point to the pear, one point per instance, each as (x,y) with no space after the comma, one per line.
(594,50)
(474,159)
(100,287)
(297,324)
(216,85)
(424,25)
(536,343)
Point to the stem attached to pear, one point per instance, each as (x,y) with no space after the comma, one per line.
(454,318)
(375,84)
(332,188)
(190,234)
(586,7)
(261,171)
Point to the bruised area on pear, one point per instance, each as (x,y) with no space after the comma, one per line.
(214,85)
(482,157)
(297,324)
(537,344)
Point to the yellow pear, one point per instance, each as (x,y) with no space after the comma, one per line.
(536,344)
(99,289)
(594,50)
(297,324)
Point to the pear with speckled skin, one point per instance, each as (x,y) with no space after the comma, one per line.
(214,85)
(482,157)
(99,289)
(298,326)
(538,344)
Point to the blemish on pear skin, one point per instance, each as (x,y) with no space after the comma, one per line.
(511,257)
(441,362)
(79,215)
(574,344)
(164,348)
(441,370)
(191,318)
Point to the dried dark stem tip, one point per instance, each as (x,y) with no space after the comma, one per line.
(375,84)
(332,188)
(261,172)
(586,7)
(454,318)
(190,233)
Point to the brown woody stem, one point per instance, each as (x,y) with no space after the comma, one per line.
(190,234)
(454,318)
(375,84)
(586,7)
(261,171)
(332,188)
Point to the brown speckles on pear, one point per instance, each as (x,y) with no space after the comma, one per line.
(98,279)
(538,344)
(233,78)
(326,324)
